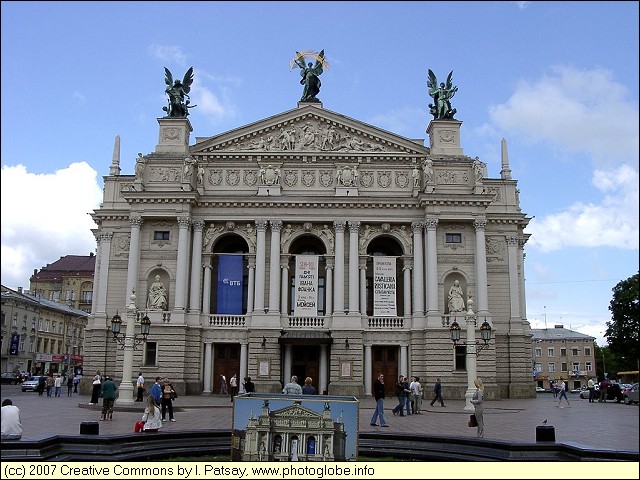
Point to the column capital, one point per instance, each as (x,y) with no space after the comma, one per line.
(198,225)
(416,227)
(480,223)
(184,221)
(512,241)
(104,236)
(276,225)
(135,220)
(431,223)
(354,226)
(339,225)
(261,225)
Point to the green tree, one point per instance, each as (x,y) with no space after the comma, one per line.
(622,330)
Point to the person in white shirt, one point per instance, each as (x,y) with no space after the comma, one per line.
(416,391)
(139,387)
(10,421)
(234,386)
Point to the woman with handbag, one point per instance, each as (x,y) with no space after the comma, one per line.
(477,400)
(151,416)
(95,393)
(168,396)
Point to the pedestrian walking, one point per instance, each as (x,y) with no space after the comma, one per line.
(76,381)
(156,391)
(168,396)
(50,384)
(223,385)
(592,390)
(563,394)
(95,393)
(57,383)
(139,387)
(416,390)
(249,386)
(233,383)
(400,395)
(378,394)
(478,406)
(70,378)
(437,393)
(108,390)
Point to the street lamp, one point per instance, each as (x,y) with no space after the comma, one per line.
(473,347)
(129,341)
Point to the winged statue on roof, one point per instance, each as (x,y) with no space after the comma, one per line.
(178,92)
(442,94)
(310,73)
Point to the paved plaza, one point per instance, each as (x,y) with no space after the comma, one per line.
(608,426)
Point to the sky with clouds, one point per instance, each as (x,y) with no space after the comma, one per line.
(557,80)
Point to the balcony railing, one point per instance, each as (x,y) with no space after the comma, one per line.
(229,321)
(306,322)
(386,323)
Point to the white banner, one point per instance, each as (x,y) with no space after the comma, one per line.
(384,287)
(306,300)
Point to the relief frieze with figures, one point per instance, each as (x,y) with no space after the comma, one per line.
(308,135)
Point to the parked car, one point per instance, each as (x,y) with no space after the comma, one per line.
(540,390)
(584,393)
(31,384)
(10,378)
(631,396)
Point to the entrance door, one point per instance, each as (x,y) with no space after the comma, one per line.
(305,363)
(385,361)
(226,362)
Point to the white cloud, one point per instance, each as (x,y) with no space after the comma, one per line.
(44,217)
(169,53)
(211,105)
(587,112)
(581,111)
(613,222)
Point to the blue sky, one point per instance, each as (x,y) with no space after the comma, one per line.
(557,80)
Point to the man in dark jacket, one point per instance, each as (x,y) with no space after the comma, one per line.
(378,394)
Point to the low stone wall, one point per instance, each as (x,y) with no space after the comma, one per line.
(193,444)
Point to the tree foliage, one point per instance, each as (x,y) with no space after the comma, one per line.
(622,330)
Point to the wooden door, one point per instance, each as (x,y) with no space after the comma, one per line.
(385,361)
(226,362)
(306,363)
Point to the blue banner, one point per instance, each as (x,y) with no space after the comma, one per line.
(15,344)
(230,284)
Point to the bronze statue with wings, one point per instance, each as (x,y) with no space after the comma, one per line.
(310,74)
(177,92)
(442,94)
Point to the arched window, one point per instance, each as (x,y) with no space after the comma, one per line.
(311,445)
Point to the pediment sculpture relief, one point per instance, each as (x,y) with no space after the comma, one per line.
(308,137)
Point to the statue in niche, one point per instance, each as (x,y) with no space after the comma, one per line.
(427,167)
(177,91)
(442,95)
(157,295)
(310,74)
(456,300)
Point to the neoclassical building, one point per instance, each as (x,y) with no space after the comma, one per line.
(313,244)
